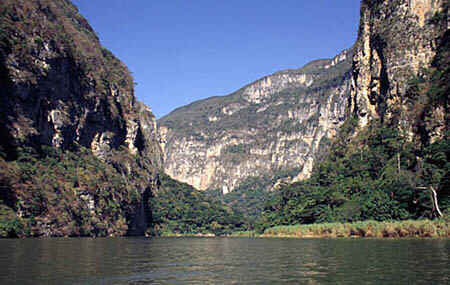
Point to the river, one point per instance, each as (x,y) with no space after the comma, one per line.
(224,261)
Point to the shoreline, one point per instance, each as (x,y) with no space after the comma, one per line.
(408,229)
(439,228)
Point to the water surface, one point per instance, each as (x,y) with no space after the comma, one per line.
(224,261)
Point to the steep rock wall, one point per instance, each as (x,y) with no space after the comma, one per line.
(396,41)
(278,123)
(61,88)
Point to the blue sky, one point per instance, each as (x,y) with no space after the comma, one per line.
(180,51)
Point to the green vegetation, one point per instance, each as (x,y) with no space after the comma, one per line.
(10,225)
(67,193)
(177,208)
(236,149)
(63,193)
(376,176)
(379,173)
(249,197)
(246,234)
(438,228)
(59,25)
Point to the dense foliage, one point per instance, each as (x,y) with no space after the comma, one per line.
(386,171)
(377,176)
(247,199)
(178,208)
(63,193)
(250,196)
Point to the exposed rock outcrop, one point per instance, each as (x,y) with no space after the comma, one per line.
(280,122)
(397,40)
(283,120)
(61,87)
(390,160)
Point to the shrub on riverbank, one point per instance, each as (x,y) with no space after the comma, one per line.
(439,228)
(244,234)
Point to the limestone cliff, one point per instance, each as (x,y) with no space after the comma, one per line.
(61,88)
(397,41)
(278,123)
(391,158)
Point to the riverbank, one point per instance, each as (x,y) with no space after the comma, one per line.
(439,228)
(170,234)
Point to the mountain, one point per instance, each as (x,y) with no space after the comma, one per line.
(374,117)
(364,135)
(278,124)
(390,159)
(79,154)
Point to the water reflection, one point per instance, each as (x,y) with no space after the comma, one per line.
(224,261)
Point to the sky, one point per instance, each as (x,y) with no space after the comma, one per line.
(180,51)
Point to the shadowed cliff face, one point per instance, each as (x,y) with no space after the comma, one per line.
(397,40)
(61,88)
(278,123)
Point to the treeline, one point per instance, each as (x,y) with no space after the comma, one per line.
(50,192)
(251,195)
(396,168)
(178,208)
(375,177)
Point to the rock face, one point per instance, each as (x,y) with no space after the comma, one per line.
(397,139)
(396,41)
(278,123)
(59,87)
(283,121)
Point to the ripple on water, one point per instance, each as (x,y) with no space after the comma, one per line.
(224,261)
